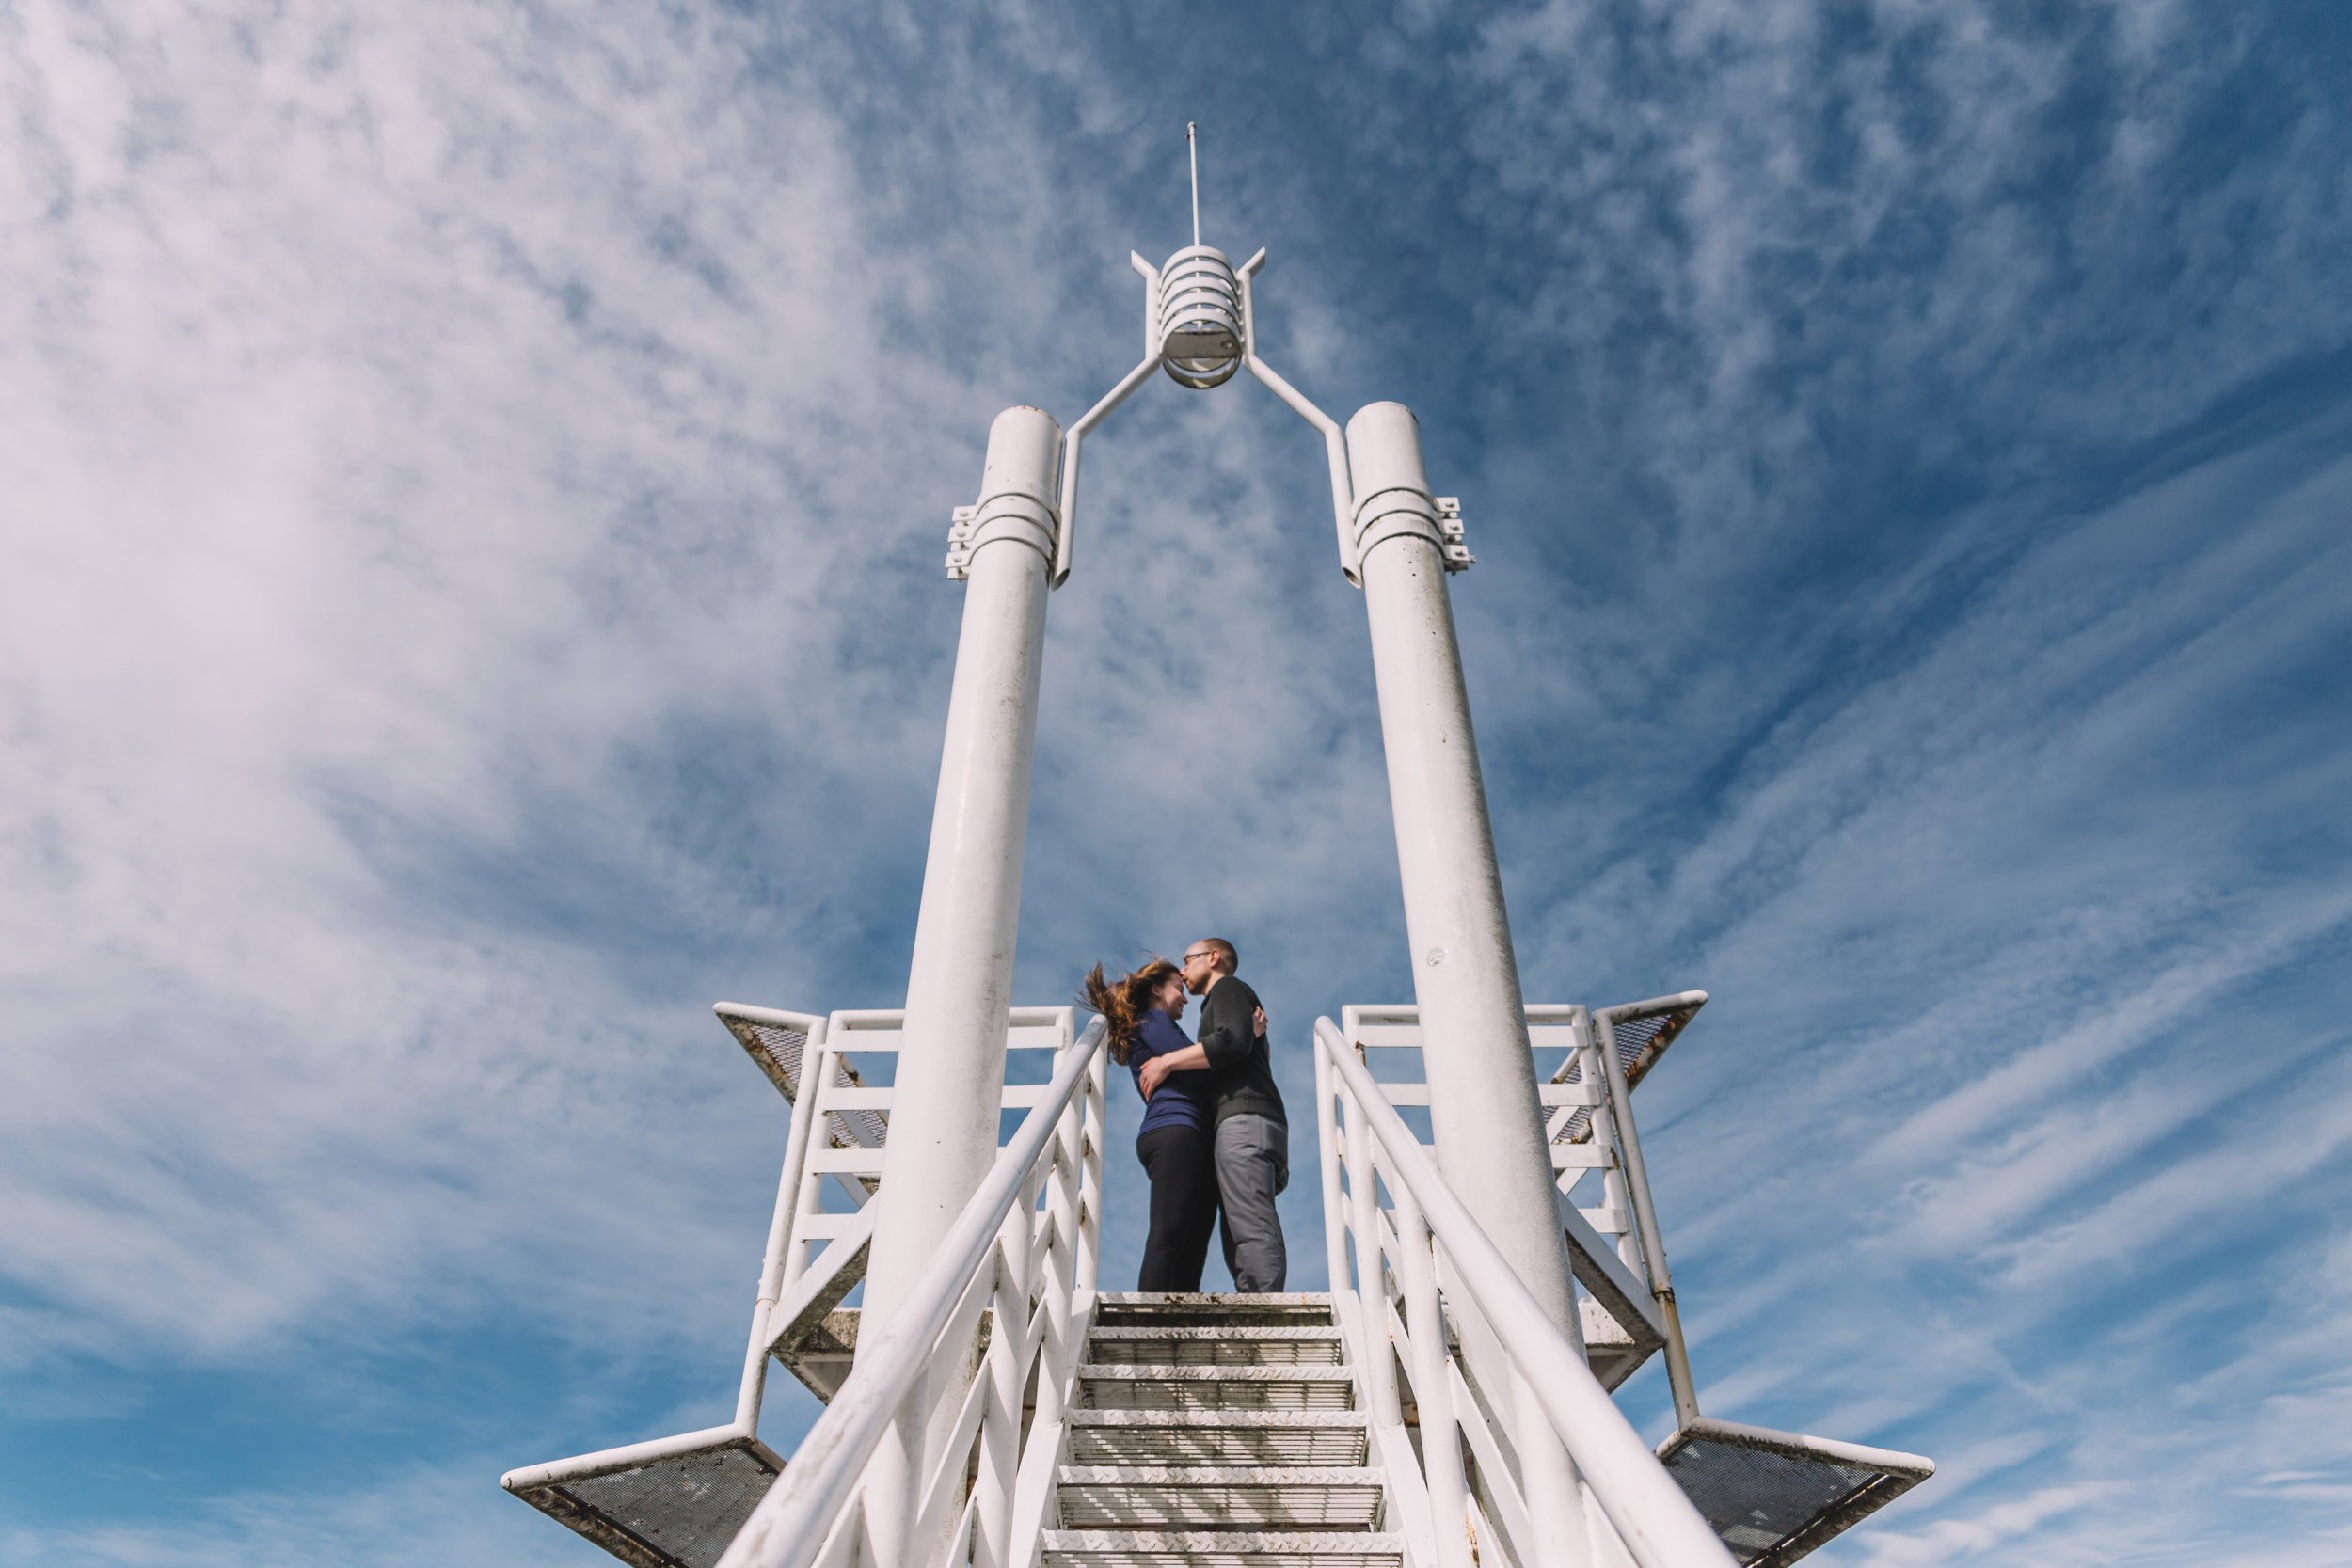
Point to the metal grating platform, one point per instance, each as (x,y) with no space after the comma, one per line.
(1641,1041)
(674,1513)
(1772,1496)
(778,1052)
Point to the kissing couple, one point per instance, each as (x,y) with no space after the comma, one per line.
(1214,1139)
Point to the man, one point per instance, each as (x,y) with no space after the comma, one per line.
(1252,1136)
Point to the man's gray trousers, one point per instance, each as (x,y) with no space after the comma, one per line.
(1253,1163)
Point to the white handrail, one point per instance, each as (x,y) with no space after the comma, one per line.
(790,1525)
(1652,1515)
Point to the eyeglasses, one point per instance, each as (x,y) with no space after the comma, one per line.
(1204,953)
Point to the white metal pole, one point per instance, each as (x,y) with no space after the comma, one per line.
(1482,1102)
(1484,1107)
(951,1065)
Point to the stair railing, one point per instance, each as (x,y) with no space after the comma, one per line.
(1398,1276)
(1033,1270)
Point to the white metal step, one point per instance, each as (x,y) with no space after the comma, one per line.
(1281,1438)
(1175,1308)
(1104,1386)
(1217,1498)
(1242,1300)
(1091,1549)
(1216,1345)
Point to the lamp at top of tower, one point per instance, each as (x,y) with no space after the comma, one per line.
(1200,317)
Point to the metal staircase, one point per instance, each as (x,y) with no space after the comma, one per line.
(1396,1422)
(1222,1431)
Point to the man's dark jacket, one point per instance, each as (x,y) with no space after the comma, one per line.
(1243,1076)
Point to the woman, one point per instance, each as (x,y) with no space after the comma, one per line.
(1177,1143)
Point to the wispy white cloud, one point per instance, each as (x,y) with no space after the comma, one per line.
(431,1513)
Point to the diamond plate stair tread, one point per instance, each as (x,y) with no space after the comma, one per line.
(1213,1475)
(1217,1396)
(1357,1557)
(1217,1346)
(1241,1299)
(1354,1419)
(1218,1497)
(1323,1546)
(1110,1387)
(1357,1510)
(1114,1371)
(1280,1437)
(1212,1319)
(1216,1331)
(1360,1552)
(1142,1310)
(1175,1474)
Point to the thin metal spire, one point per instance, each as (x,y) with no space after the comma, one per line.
(1192,151)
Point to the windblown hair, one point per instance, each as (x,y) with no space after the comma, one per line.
(1124,1002)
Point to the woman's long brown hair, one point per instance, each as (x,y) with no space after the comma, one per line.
(1124,1002)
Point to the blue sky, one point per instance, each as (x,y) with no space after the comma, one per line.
(476,484)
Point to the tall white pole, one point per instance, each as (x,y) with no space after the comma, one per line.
(951,1064)
(1483,1104)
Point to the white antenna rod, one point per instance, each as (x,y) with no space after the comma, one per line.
(1192,150)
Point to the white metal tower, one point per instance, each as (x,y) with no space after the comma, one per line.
(1445,1402)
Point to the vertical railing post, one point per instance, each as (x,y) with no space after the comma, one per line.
(1441,1446)
(1063,1196)
(1000,1441)
(1372,1295)
(1059,1272)
(951,1065)
(1327,1146)
(1007,1369)
(1094,1131)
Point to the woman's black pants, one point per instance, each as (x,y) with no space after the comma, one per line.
(1182,1164)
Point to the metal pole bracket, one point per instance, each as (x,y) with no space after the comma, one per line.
(1449,537)
(960,542)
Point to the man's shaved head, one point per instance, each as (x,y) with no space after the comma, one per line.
(1229,960)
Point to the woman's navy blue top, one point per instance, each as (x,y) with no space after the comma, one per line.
(1182,1097)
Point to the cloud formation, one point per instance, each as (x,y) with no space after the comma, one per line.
(476,484)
